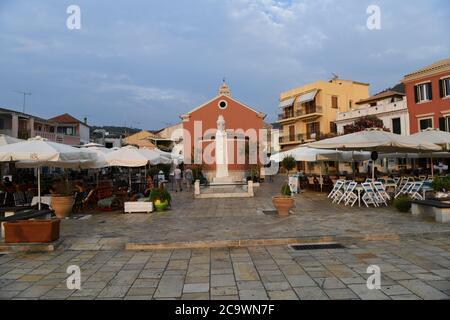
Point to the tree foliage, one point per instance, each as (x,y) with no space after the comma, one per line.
(364,123)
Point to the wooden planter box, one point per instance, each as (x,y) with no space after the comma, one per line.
(32,231)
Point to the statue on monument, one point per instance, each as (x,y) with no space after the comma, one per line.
(221,149)
(221,123)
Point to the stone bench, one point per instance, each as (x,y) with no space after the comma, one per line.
(439,209)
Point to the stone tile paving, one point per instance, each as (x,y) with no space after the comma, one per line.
(411,269)
(229,219)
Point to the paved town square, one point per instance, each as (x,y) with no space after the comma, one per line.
(412,253)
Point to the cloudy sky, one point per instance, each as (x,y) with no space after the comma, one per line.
(142,63)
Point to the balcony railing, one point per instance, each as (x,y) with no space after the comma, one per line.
(314,135)
(300,113)
(292,138)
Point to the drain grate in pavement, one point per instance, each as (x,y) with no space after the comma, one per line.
(317,246)
(270,212)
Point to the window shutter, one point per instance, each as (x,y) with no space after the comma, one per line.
(430,91)
(441,88)
(442,124)
(416,95)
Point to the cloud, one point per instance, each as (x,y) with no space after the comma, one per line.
(171,57)
(143,94)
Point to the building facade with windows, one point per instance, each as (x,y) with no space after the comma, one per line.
(71,130)
(309,112)
(428,96)
(389,106)
(62,129)
(243,125)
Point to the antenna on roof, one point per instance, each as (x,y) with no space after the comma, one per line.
(335,76)
(24,97)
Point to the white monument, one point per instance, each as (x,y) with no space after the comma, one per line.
(221,149)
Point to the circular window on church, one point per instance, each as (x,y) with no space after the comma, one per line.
(223,104)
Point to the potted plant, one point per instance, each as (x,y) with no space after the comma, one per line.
(403,203)
(285,202)
(62,199)
(161,199)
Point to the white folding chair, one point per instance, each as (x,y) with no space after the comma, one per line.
(342,193)
(414,191)
(405,189)
(337,186)
(351,197)
(383,196)
(370,196)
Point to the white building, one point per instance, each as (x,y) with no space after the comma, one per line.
(389,106)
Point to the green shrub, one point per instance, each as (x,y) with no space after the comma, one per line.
(285,190)
(440,184)
(403,204)
(160,194)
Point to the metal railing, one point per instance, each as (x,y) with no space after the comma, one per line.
(301,112)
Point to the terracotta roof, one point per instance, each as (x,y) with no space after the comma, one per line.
(65,118)
(438,66)
(381,95)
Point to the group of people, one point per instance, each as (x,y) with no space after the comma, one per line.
(177,176)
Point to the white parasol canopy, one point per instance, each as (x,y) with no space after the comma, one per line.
(38,152)
(313,155)
(133,157)
(5,139)
(435,136)
(375,140)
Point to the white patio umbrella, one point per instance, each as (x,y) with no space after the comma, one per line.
(376,140)
(133,157)
(436,136)
(38,152)
(92,145)
(5,139)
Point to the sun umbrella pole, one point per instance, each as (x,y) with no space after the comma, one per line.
(39,187)
(129,178)
(432,167)
(321,180)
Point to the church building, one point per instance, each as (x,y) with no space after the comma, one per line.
(224,136)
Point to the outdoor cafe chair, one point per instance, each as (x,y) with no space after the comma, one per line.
(369,196)
(383,196)
(414,191)
(351,196)
(405,189)
(20,200)
(337,186)
(346,192)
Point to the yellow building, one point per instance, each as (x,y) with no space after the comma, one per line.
(308,112)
